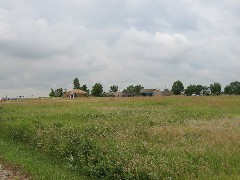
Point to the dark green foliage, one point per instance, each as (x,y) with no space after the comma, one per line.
(233,88)
(138,88)
(114,88)
(84,88)
(206,91)
(199,89)
(52,93)
(191,89)
(97,90)
(177,87)
(76,84)
(129,89)
(134,89)
(194,89)
(59,92)
(215,88)
(56,93)
(228,90)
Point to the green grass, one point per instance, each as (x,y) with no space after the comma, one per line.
(33,163)
(126,138)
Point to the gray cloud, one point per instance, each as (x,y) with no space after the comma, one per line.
(46,44)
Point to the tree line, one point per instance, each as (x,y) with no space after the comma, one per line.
(177,89)
(213,89)
(97,89)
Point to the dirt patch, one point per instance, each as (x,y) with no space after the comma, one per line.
(11,172)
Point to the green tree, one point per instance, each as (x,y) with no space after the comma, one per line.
(206,91)
(228,90)
(215,88)
(52,93)
(129,89)
(114,88)
(59,92)
(84,88)
(76,84)
(199,89)
(138,88)
(191,89)
(134,89)
(177,87)
(233,88)
(97,90)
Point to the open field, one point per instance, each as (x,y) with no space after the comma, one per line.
(123,138)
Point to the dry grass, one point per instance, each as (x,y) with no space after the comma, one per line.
(133,138)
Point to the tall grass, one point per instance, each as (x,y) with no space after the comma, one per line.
(131,138)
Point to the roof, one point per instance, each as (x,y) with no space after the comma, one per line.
(147,90)
(78,92)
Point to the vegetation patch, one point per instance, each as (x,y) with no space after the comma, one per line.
(130,138)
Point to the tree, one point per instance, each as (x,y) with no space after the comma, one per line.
(206,91)
(52,93)
(215,88)
(233,88)
(129,89)
(84,88)
(134,89)
(199,90)
(76,84)
(114,88)
(228,90)
(191,90)
(97,90)
(138,88)
(59,92)
(177,87)
(194,89)
(56,93)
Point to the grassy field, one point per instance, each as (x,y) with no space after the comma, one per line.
(172,137)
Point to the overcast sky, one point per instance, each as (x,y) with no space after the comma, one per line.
(46,44)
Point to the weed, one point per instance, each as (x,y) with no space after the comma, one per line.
(131,138)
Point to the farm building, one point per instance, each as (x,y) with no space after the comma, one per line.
(147,92)
(155,92)
(143,92)
(74,93)
(121,94)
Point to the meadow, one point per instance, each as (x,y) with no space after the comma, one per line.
(173,137)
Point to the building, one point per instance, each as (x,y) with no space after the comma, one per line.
(121,94)
(147,92)
(143,92)
(74,93)
(155,92)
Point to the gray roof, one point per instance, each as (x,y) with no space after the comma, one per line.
(147,90)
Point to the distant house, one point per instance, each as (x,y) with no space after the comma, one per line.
(74,93)
(143,92)
(155,92)
(121,94)
(147,92)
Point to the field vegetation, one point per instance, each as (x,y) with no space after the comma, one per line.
(172,137)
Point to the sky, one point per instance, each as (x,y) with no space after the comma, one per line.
(46,44)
